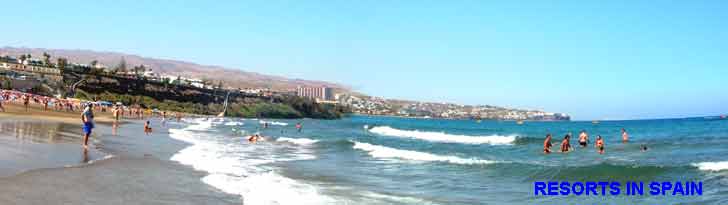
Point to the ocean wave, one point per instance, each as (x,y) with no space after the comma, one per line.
(712,166)
(442,136)
(528,140)
(299,141)
(246,176)
(268,188)
(200,124)
(234,123)
(377,151)
(393,199)
(274,123)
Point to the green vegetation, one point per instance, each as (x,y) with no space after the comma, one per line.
(6,83)
(118,85)
(264,109)
(284,107)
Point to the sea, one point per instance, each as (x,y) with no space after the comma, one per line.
(391,160)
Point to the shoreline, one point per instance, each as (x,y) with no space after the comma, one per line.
(122,164)
(36,112)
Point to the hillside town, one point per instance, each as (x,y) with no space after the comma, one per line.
(25,73)
(381,106)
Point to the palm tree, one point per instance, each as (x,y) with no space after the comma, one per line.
(22,58)
(122,66)
(139,71)
(62,63)
(46,59)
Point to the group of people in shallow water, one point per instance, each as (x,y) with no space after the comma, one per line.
(583,142)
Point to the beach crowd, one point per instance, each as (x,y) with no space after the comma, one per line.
(75,105)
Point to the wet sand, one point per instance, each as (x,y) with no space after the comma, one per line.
(42,162)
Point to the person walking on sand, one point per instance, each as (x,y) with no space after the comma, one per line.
(625,136)
(87,117)
(583,138)
(45,104)
(26,101)
(599,144)
(547,144)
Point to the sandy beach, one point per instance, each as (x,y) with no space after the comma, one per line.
(43,163)
(35,111)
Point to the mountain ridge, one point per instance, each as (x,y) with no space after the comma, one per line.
(230,76)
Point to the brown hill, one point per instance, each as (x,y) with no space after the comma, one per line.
(230,77)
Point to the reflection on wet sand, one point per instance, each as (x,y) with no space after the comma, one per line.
(85,156)
(38,132)
(33,144)
(114,128)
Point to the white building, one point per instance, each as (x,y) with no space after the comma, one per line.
(319,93)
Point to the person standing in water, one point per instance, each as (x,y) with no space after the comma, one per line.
(87,117)
(599,144)
(147,128)
(115,111)
(583,138)
(565,145)
(625,136)
(164,118)
(547,144)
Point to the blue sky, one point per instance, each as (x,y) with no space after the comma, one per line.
(591,59)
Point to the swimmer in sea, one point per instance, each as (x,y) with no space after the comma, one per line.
(565,145)
(547,144)
(600,144)
(625,136)
(254,138)
(583,138)
(643,147)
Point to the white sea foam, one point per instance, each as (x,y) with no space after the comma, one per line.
(712,166)
(268,188)
(377,151)
(392,199)
(274,123)
(299,141)
(233,123)
(234,169)
(442,136)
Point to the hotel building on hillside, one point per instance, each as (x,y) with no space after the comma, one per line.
(319,93)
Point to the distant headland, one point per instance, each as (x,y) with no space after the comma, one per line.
(201,89)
